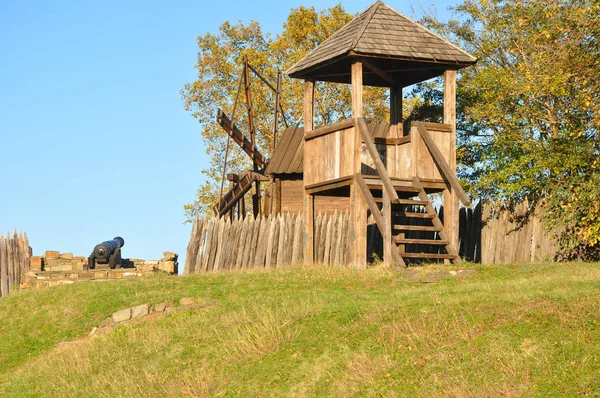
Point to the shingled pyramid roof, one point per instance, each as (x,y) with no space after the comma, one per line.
(388,38)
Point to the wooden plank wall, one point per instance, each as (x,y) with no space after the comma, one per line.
(14,260)
(291,199)
(332,155)
(423,165)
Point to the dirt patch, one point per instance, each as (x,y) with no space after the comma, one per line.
(424,275)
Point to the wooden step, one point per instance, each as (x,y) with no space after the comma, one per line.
(374,182)
(416,228)
(427,255)
(415,202)
(420,241)
(409,214)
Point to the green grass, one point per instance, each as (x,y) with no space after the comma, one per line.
(526,330)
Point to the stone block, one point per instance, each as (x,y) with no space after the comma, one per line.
(50,262)
(35,262)
(139,311)
(106,322)
(186,301)
(76,267)
(51,254)
(151,262)
(160,307)
(100,274)
(167,266)
(145,268)
(59,268)
(170,310)
(85,275)
(122,316)
(170,256)
(66,255)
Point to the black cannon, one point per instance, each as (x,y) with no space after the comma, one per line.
(108,252)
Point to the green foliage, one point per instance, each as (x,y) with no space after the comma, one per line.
(219,66)
(313,332)
(529,111)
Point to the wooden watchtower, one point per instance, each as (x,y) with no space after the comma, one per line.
(380,168)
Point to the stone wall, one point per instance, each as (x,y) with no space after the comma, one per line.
(54,268)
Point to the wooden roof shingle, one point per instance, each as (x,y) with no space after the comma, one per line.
(381,32)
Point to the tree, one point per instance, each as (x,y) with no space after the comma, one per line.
(219,66)
(530,109)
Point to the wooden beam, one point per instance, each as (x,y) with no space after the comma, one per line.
(332,128)
(276,115)
(358,218)
(277,195)
(250,110)
(357,89)
(391,140)
(396,111)
(388,256)
(254,175)
(276,90)
(328,185)
(442,164)
(360,182)
(309,105)
(239,138)
(308,201)
(446,128)
(379,166)
(309,245)
(451,211)
(382,74)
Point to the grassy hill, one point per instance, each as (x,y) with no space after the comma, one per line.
(527,330)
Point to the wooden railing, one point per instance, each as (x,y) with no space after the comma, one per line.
(332,128)
(379,166)
(444,168)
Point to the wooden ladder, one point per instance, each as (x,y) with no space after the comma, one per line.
(231,197)
(403,209)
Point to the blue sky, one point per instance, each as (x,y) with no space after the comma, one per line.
(94,140)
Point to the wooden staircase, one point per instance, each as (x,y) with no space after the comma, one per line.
(413,243)
(436,245)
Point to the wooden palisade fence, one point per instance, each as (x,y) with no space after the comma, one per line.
(222,244)
(504,240)
(14,260)
(487,234)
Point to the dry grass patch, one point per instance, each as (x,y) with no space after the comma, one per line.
(250,334)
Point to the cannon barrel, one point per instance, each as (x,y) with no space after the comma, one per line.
(105,249)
